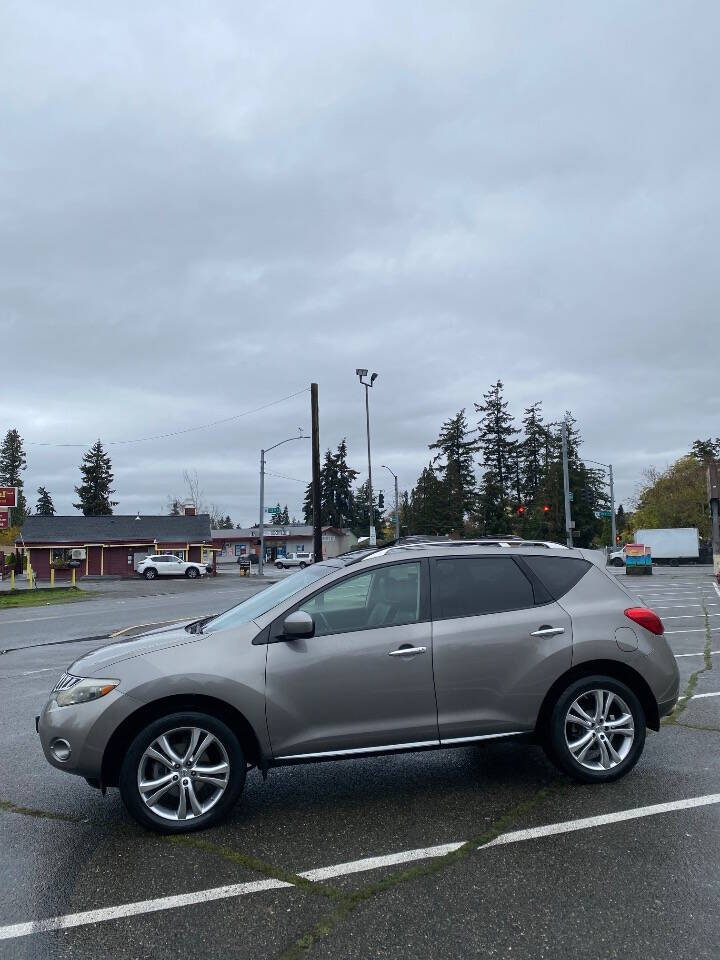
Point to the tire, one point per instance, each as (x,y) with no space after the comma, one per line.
(279,566)
(593,768)
(192,572)
(150,573)
(218,800)
(302,564)
(617,562)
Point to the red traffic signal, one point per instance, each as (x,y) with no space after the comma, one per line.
(546,508)
(521,511)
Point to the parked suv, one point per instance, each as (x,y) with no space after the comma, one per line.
(168,565)
(421,645)
(301,560)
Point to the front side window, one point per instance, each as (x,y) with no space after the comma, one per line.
(384,597)
(474,586)
(270,597)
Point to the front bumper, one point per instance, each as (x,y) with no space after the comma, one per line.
(86,728)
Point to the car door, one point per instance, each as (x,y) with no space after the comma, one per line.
(364,681)
(174,565)
(161,564)
(499,642)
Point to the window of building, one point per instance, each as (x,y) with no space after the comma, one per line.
(473,586)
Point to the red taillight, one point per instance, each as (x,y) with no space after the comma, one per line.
(646,618)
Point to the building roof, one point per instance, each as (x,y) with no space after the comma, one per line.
(79,529)
(274,530)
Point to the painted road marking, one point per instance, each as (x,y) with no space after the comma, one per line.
(701,696)
(689,616)
(694,630)
(69,920)
(701,654)
(587,823)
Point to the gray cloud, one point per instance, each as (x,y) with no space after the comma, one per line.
(205,208)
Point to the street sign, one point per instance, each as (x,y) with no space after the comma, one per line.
(272,509)
(4,519)
(8,496)
(604,514)
(572,496)
(373,537)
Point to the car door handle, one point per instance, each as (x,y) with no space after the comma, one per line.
(407,651)
(547,631)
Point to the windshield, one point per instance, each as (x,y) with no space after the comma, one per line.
(260,603)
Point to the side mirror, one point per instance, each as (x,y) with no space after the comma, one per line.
(298,624)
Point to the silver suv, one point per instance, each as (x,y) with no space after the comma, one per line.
(419,646)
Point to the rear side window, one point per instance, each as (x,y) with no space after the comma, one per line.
(473,586)
(558,574)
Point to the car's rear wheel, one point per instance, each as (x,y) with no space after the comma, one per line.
(597,730)
(183,772)
(192,572)
(279,566)
(150,573)
(302,564)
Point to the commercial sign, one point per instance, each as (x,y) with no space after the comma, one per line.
(637,555)
(4,519)
(8,496)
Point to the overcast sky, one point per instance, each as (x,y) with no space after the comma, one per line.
(205,206)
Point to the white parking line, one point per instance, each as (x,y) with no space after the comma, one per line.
(69,920)
(700,654)
(689,616)
(695,630)
(700,696)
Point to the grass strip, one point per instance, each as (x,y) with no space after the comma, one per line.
(41,596)
(692,683)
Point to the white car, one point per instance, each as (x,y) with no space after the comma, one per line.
(294,560)
(168,565)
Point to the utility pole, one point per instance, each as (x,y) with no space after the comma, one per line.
(613,530)
(397,503)
(713,484)
(566,484)
(315,432)
(363,373)
(261,558)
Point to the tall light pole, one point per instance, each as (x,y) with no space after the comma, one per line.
(566,483)
(261,558)
(611,484)
(361,374)
(397,503)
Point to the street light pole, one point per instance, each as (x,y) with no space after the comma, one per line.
(397,503)
(611,484)
(566,484)
(360,374)
(261,558)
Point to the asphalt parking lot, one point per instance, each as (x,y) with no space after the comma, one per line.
(485,852)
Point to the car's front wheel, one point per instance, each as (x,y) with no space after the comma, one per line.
(618,562)
(183,772)
(192,572)
(597,730)
(278,566)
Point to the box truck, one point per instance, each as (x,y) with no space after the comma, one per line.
(672,545)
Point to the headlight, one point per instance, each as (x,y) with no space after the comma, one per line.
(85,690)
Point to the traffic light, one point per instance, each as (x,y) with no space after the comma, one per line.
(546,508)
(617,538)
(521,511)
(381,501)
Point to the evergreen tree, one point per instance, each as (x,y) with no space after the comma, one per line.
(44,506)
(277,517)
(406,519)
(456,469)
(12,464)
(428,505)
(620,519)
(496,440)
(533,448)
(337,506)
(285,516)
(706,450)
(226,523)
(95,490)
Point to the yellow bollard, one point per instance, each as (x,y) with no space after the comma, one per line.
(52,576)
(12,579)
(72,579)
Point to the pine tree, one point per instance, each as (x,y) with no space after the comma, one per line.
(456,469)
(706,450)
(361,520)
(44,506)
(94,491)
(428,505)
(620,519)
(533,448)
(12,464)
(406,518)
(285,516)
(336,494)
(496,440)
(277,517)
(175,508)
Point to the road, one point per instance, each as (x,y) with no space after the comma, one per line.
(475,852)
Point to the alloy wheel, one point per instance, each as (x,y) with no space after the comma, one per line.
(183,773)
(599,729)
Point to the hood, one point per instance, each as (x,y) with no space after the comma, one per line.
(93,664)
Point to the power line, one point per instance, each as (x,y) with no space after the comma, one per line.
(174,433)
(284,477)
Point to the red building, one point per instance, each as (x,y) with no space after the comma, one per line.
(110,546)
